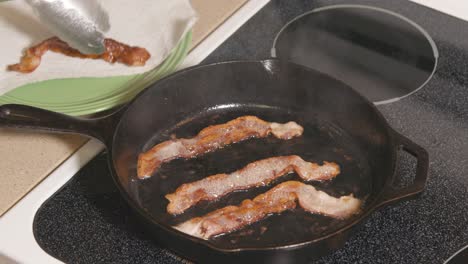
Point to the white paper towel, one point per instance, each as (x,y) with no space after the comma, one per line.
(157,25)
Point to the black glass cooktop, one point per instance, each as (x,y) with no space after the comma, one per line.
(87,221)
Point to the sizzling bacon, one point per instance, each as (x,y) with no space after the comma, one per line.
(115,52)
(283,197)
(212,138)
(255,174)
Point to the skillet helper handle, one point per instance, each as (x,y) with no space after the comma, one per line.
(422,157)
(28,117)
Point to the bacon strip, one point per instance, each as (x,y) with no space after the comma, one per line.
(212,138)
(258,173)
(281,198)
(115,52)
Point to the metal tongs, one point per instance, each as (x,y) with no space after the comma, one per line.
(80,23)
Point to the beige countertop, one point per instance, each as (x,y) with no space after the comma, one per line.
(27,157)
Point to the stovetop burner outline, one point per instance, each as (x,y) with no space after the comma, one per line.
(430,40)
(456,254)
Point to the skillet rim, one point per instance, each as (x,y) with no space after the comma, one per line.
(295,246)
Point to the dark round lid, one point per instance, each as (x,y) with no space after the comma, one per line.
(382,54)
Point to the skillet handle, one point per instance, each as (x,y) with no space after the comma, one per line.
(392,194)
(28,117)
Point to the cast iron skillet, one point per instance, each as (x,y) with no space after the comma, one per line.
(340,125)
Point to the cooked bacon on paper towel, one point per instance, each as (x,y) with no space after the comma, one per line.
(115,52)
